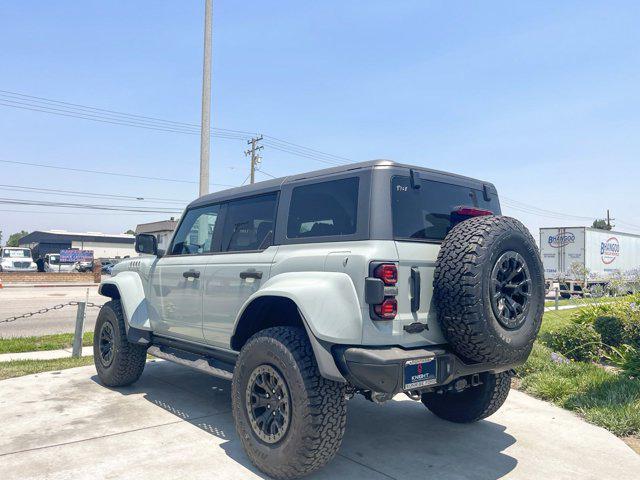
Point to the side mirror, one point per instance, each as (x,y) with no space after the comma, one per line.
(147,244)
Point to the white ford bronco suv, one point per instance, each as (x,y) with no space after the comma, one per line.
(373,278)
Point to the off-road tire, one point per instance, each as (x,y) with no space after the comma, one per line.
(472,404)
(128,359)
(462,293)
(318,406)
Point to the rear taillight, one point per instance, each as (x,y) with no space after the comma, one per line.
(387,272)
(381,290)
(388,309)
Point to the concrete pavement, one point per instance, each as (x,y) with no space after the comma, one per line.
(176,423)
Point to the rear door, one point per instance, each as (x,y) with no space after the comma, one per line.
(178,278)
(241,266)
(422,217)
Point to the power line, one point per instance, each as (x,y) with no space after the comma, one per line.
(51,191)
(51,212)
(78,106)
(85,112)
(100,172)
(122,208)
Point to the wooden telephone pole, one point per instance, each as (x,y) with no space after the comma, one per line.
(255,158)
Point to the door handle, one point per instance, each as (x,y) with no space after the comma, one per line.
(250,274)
(191,274)
(415,294)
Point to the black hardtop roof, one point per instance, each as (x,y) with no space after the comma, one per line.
(274,184)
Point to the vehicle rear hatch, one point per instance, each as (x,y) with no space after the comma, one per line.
(424,208)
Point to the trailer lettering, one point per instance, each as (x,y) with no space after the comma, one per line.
(609,250)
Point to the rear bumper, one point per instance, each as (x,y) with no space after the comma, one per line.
(382,369)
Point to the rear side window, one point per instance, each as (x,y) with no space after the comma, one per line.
(425,213)
(248,223)
(324,209)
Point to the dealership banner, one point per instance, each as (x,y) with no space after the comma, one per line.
(72,256)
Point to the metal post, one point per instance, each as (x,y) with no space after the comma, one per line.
(77,336)
(205,130)
(557,296)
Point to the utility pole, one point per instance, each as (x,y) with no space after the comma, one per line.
(255,158)
(205,129)
(609,227)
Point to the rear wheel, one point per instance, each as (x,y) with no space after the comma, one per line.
(117,361)
(472,404)
(290,419)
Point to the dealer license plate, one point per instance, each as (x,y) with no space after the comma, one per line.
(420,373)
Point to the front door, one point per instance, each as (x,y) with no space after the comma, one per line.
(242,265)
(178,279)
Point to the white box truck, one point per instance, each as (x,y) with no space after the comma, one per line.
(578,258)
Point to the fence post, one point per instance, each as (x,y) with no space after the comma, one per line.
(77,337)
(557,296)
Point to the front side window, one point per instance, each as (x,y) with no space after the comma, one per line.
(324,209)
(195,235)
(426,213)
(249,223)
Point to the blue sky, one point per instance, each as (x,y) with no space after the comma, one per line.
(541,98)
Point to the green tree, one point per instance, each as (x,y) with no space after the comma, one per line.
(15,238)
(129,232)
(601,224)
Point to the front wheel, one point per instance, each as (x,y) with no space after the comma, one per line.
(290,419)
(473,403)
(117,361)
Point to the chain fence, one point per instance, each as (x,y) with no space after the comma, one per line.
(42,311)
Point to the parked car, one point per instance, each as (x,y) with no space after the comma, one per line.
(16,259)
(84,266)
(373,279)
(53,264)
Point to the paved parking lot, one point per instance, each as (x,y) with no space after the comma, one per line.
(176,423)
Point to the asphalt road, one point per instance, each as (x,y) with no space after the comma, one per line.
(19,300)
(176,423)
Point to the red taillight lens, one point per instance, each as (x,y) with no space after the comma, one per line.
(387,272)
(387,309)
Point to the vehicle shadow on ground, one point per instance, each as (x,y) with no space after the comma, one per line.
(400,439)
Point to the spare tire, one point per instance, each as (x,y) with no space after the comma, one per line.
(489,290)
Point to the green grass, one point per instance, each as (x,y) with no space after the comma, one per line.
(46,342)
(19,368)
(602,397)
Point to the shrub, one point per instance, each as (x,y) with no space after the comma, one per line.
(611,330)
(631,332)
(576,341)
(627,359)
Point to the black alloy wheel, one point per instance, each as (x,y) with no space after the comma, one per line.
(106,344)
(510,290)
(268,404)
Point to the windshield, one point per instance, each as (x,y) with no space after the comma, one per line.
(425,213)
(16,253)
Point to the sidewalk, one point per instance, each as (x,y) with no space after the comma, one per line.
(44,354)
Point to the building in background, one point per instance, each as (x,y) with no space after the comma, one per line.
(162,230)
(102,245)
